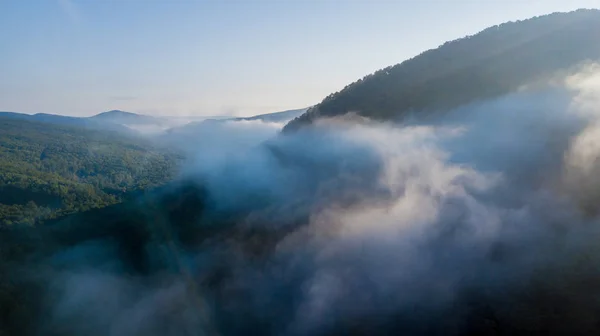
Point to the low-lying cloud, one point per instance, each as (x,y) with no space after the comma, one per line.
(483,220)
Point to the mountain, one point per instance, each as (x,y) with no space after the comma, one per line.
(275,117)
(225,134)
(122,117)
(130,123)
(55,119)
(200,126)
(16,115)
(494,62)
(115,120)
(49,170)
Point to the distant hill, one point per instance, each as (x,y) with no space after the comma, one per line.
(55,119)
(115,120)
(130,123)
(122,117)
(494,62)
(274,117)
(16,115)
(200,126)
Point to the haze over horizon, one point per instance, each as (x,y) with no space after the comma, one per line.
(220,58)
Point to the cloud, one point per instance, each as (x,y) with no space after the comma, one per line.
(484,220)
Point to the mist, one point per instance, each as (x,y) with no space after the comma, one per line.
(481,220)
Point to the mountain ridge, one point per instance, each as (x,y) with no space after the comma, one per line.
(128,122)
(124,117)
(57,119)
(493,62)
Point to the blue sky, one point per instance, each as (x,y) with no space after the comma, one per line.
(81,57)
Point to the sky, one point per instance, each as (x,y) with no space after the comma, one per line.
(238,57)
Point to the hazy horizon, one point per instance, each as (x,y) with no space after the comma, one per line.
(80,58)
(223,116)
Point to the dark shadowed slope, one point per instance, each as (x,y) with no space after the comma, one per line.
(491,63)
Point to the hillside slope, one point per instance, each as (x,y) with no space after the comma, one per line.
(491,63)
(49,170)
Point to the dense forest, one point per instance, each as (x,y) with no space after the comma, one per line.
(49,170)
(496,61)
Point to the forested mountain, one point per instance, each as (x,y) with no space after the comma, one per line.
(124,122)
(49,170)
(52,165)
(56,119)
(491,63)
